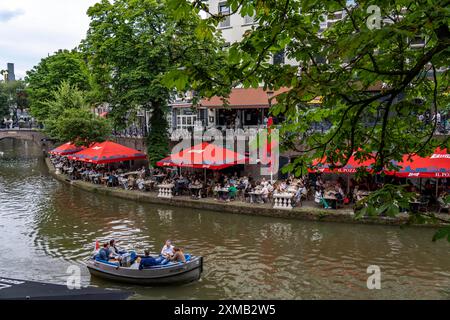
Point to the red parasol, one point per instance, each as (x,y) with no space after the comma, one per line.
(107,152)
(205,156)
(65,149)
(436,165)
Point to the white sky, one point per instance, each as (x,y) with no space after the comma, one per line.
(32,29)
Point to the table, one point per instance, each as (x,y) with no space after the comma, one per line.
(195,190)
(223,193)
(331,200)
(149,184)
(414,206)
(131,173)
(94,177)
(159,177)
(361,195)
(255,196)
(123,181)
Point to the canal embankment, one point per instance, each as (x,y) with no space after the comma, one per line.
(309,213)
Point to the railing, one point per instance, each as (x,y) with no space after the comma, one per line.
(165,191)
(283,201)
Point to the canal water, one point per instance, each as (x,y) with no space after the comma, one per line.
(46,226)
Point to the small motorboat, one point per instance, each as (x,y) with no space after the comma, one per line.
(170,273)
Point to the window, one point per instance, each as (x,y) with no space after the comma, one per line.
(185,118)
(335,16)
(278,58)
(224,10)
(418,41)
(249,20)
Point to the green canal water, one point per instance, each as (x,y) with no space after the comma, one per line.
(47,226)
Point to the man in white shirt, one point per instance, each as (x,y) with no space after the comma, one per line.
(167,250)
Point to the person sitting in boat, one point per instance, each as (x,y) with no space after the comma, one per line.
(167,251)
(147,260)
(114,252)
(103,253)
(178,256)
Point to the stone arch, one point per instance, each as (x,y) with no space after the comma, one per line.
(31,135)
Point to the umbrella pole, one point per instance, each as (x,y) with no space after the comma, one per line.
(204,170)
(348,184)
(271,174)
(437,186)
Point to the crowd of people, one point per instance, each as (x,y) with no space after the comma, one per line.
(226,187)
(116,175)
(231,187)
(442,121)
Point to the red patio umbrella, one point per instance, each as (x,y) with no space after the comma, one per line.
(351,167)
(436,165)
(107,152)
(65,149)
(204,156)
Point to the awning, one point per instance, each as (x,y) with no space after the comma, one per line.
(436,165)
(65,149)
(205,156)
(107,152)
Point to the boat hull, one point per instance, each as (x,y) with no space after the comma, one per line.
(173,274)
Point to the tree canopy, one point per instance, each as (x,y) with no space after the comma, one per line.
(342,63)
(70,117)
(376,69)
(48,75)
(4,101)
(131,45)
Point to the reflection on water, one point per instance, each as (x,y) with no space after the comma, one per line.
(45,226)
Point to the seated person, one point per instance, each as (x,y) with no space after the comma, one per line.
(178,256)
(131,182)
(140,183)
(339,194)
(216,191)
(103,253)
(265,193)
(147,260)
(442,201)
(232,191)
(167,251)
(114,252)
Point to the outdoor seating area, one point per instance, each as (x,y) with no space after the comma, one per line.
(211,178)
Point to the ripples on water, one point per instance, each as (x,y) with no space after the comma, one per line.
(45,226)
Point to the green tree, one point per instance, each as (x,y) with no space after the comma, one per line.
(4,101)
(158,137)
(82,127)
(342,63)
(47,76)
(131,45)
(70,117)
(12,94)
